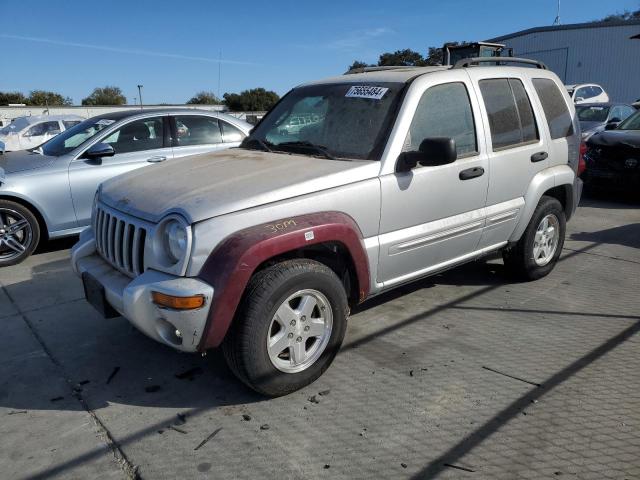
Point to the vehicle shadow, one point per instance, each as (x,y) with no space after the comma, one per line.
(625,235)
(56,244)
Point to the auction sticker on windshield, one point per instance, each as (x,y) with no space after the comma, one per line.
(366,91)
(105,121)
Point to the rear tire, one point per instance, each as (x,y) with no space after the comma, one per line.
(19,233)
(289,327)
(539,248)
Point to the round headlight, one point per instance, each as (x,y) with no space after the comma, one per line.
(175,240)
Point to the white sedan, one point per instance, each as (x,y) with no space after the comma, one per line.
(24,133)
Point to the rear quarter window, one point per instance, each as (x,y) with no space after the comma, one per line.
(555,108)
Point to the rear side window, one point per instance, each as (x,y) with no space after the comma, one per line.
(231,134)
(555,108)
(197,130)
(511,119)
(444,111)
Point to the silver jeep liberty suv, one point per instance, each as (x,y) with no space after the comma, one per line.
(349,187)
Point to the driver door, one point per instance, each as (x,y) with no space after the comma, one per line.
(137,144)
(432,215)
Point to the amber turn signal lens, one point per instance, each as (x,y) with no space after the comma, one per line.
(177,303)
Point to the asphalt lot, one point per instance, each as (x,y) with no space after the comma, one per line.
(462,375)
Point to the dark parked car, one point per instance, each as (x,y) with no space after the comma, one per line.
(613,157)
(596,117)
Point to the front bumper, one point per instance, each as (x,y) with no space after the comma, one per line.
(132,298)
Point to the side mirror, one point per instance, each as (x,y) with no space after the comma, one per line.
(99,150)
(612,124)
(579,99)
(433,151)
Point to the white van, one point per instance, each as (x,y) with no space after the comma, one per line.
(29,132)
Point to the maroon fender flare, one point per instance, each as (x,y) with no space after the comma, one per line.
(230,266)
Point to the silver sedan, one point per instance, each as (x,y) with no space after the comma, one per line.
(47,192)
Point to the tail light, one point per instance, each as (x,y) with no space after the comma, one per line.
(582,165)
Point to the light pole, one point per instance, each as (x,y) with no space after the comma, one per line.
(140,95)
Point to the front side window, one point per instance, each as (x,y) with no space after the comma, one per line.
(139,135)
(583,93)
(511,119)
(196,130)
(444,111)
(44,128)
(345,120)
(631,123)
(555,108)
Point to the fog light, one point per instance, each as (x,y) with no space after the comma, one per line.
(177,303)
(178,333)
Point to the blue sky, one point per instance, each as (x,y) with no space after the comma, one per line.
(172,48)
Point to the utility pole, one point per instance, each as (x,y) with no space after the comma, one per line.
(557,20)
(219,68)
(140,95)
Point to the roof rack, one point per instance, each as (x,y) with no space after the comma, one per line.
(378,68)
(468,62)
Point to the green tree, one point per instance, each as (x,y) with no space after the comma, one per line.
(622,17)
(204,98)
(254,100)
(406,58)
(105,96)
(357,64)
(12,97)
(41,98)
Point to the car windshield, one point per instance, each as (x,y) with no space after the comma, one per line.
(75,136)
(347,120)
(15,126)
(592,113)
(631,123)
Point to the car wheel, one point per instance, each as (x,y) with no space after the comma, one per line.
(539,248)
(19,233)
(289,327)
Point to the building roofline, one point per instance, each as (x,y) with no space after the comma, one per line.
(571,26)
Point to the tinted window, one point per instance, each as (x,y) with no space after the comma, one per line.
(621,112)
(525,111)
(44,128)
(584,93)
(444,111)
(555,108)
(510,114)
(231,134)
(197,130)
(145,134)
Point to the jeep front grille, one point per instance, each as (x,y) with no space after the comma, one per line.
(120,240)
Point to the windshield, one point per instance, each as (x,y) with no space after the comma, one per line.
(15,126)
(631,123)
(592,114)
(332,120)
(75,136)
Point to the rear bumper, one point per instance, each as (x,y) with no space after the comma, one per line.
(132,298)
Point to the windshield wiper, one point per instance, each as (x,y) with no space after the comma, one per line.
(266,146)
(308,145)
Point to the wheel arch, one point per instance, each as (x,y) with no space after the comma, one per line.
(556,182)
(42,223)
(332,238)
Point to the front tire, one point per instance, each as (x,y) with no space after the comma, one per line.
(289,327)
(19,233)
(538,250)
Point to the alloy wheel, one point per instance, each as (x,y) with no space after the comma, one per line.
(15,234)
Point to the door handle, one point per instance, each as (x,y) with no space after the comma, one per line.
(156,159)
(470,173)
(538,157)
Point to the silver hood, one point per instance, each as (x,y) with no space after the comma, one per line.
(205,186)
(15,162)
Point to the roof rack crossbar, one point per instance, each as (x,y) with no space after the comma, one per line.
(467,62)
(379,68)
